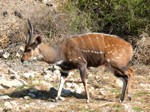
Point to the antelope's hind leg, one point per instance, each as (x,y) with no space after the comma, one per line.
(83,75)
(127,78)
(130,73)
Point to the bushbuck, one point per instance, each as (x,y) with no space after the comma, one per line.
(83,51)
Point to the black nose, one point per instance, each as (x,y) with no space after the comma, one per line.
(22,60)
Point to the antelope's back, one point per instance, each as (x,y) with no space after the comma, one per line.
(97,48)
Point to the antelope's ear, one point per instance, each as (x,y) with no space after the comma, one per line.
(38,40)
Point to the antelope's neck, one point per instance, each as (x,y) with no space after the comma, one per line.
(51,54)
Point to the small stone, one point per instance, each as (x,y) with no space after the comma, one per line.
(79,90)
(28,75)
(21,48)
(6,55)
(1,87)
(119,82)
(11,83)
(4,97)
(68,85)
(26,97)
(56,72)
(18,55)
(8,105)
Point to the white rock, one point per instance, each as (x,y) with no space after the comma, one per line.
(74,85)
(119,82)
(26,97)
(18,54)
(79,90)
(68,84)
(21,48)
(11,71)
(4,97)
(48,77)
(1,87)
(57,72)
(14,76)
(8,105)
(11,83)
(28,75)
(6,55)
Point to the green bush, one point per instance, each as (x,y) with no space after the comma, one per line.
(121,17)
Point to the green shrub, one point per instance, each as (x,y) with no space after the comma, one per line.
(121,17)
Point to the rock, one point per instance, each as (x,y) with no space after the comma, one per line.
(28,75)
(68,85)
(75,86)
(21,48)
(12,83)
(4,97)
(119,82)
(6,55)
(18,55)
(13,74)
(26,97)
(1,87)
(48,77)
(11,105)
(78,90)
(11,71)
(8,105)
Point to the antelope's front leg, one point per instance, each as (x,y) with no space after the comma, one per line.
(62,81)
(63,77)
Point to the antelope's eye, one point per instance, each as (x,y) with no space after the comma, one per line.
(28,50)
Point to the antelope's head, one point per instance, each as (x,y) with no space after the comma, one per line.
(31,47)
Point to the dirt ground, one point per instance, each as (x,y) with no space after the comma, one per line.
(38,91)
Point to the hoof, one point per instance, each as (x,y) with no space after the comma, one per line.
(129,97)
(59,98)
(121,100)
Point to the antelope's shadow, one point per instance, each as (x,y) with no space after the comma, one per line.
(43,94)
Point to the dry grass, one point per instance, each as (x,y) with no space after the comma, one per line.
(141,58)
(142,50)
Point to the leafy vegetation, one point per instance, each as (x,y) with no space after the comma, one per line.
(120,17)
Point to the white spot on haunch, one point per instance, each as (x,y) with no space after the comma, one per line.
(76,59)
(108,60)
(59,62)
(89,38)
(117,57)
(79,57)
(97,38)
(113,53)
